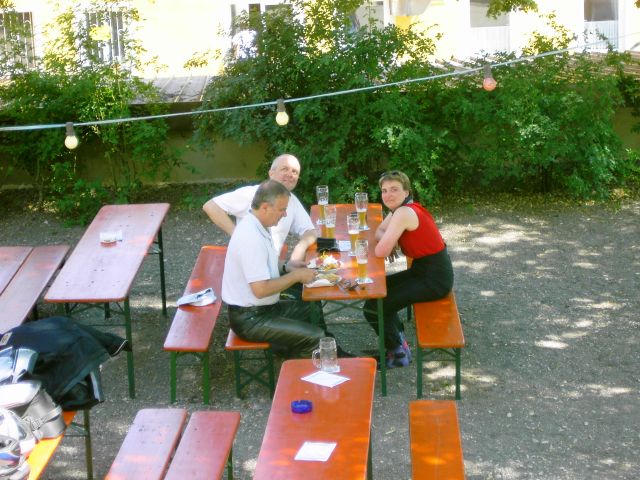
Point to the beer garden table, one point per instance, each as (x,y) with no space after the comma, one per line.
(96,274)
(352,299)
(340,414)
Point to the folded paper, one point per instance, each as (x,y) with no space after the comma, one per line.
(198,299)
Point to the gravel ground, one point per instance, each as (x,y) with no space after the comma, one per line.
(548,294)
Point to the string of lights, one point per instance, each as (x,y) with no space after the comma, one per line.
(282,118)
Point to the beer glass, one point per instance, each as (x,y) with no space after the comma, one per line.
(325,357)
(322,194)
(362,201)
(353,227)
(330,220)
(362,258)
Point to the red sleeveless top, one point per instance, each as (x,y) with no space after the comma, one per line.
(424,240)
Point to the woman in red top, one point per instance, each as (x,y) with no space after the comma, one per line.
(430,276)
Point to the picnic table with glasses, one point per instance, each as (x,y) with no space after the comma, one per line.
(340,415)
(343,296)
(99,274)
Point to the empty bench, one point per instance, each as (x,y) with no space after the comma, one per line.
(436,447)
(438,329)
(192,327)
(156,448)
(24,279)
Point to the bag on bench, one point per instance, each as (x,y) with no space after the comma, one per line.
(34,405)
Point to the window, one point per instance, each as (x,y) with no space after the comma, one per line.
(108,28)
(478,11)
(600,10)
(16,38)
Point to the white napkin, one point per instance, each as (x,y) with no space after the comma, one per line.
(198,299)
(315,451)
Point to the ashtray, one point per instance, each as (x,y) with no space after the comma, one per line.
(301,406)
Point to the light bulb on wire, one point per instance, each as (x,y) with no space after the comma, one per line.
(489,83)
(282,118)
(70,141)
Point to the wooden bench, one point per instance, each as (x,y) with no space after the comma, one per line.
(19,297)
(252,362)
(438,329)
(44,449)
(156,448)
(436,446)
(192,327)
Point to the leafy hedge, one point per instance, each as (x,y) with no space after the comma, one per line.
(547,127)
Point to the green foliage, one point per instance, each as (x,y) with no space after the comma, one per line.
(547,127)
(72,82)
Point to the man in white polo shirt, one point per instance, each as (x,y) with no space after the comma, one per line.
(252,281)
(286,170)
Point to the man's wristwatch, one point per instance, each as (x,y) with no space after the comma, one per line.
(283,269)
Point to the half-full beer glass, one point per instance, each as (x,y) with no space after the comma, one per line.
(362,201)
(322,195)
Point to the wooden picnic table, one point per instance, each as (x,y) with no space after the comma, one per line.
(353,299)
(97,274)
(340,414)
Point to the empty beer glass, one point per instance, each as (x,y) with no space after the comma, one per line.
(322,194)
(330,221)
(353,227)
(362,201)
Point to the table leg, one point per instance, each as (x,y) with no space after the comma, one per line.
(383,363)
(88,452)
(370,460)
(163,288)
(127,325)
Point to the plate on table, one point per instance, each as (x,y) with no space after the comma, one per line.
(325,264)
(324,280)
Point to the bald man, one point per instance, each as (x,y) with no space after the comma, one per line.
(284,169)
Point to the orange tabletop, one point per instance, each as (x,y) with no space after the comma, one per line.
(375,266)
(96,272)
(375,271)
(10,260)
(341,414)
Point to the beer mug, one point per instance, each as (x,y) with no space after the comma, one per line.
(325,357)
(322,195)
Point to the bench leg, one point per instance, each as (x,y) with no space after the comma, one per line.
(205,377)
(230,465)
(163,288)
(272,379)
(370,460)
(381,349)
(419,371)
(88,451)
(130,372)
(173,360)
(255,375)
(236,371)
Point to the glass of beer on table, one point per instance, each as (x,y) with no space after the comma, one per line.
(353,227)
(330,220)
(322,194)
(362,201)
(362,258)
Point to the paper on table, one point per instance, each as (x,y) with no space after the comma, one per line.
(344,245)
(315,451)
(325,379)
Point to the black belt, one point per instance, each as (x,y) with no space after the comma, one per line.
(254,309)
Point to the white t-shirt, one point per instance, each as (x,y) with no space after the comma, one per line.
(238,204)
(250,258)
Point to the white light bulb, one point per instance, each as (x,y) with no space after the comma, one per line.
(70,141)
(282,118)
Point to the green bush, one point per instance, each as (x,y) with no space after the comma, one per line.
(547,127)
